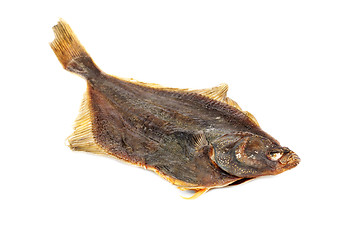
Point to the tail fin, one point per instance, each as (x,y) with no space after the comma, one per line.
(71,54)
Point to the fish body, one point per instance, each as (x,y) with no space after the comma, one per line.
(195,139)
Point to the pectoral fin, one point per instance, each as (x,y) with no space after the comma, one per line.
(199,140)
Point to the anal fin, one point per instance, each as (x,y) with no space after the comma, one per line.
(82,139)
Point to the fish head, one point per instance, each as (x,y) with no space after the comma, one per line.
(251,155)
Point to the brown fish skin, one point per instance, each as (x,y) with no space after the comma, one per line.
(196,139)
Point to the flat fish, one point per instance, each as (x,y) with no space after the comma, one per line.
(195,139)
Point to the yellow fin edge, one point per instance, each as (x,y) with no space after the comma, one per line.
(66,45)
(82,139)
(196,194)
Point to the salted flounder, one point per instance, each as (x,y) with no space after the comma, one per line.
(195,139)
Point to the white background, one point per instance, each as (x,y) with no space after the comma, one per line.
(293,64)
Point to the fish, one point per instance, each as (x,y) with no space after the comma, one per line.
(196,139)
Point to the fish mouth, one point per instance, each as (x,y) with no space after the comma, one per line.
(291,161)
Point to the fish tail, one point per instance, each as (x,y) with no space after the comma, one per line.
(71,54)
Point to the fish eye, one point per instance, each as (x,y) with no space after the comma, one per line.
(275,155)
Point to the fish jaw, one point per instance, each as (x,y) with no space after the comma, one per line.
(287,162)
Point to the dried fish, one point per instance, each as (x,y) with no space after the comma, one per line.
(195,139)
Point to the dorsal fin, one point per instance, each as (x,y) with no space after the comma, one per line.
(250,115)
(218,93)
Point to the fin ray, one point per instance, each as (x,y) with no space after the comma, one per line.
(66,45)
(70,52)
(82,139)
(199,140)
(218,93)
(250,115)
(198,193)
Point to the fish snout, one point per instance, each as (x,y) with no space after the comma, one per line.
(291,160)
